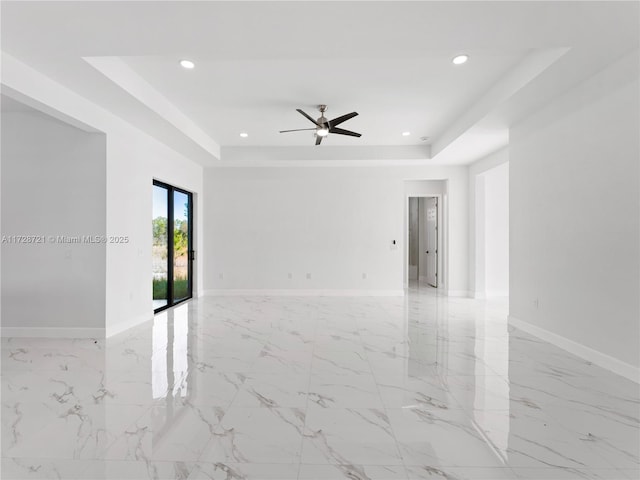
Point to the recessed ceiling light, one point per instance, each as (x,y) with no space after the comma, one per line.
(187,64)
(244,135)
(460,59)
(406,134)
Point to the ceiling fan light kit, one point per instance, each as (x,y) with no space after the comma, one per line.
(324,127)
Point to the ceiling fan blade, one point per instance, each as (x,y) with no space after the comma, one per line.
(311,119)
(318,139)
(296,130)
(342,131)
(343,118)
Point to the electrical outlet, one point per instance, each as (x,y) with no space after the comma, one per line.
(308,276)
(221,276)
(290,275)
(364,276)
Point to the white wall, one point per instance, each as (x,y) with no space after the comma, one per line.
(133,160)
(334,223)
(496,231)
(53,184)
(269,223)
(424,188)
(575,215)
(478,245)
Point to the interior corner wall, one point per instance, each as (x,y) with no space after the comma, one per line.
(53,191)
(133,160)
(477,221)
(496,231)
(334,223)
(478,241)
(575,215)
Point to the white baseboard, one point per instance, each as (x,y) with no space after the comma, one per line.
(594,356)
(53,332)
(127,324)
(303,293)
(480,295)
(497,293)
(458,293)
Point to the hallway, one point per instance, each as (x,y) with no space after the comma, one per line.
(315,388)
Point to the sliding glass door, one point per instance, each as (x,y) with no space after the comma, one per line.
(172,248)
(160,248)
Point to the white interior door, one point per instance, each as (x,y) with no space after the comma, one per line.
(414,232)
(432,241)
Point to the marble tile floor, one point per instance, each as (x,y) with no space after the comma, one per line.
(324,388)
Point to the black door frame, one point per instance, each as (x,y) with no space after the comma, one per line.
(190,252)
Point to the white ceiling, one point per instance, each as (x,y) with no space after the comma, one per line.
(420,93)
(256,62)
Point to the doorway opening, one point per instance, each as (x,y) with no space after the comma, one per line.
(424,242)
(172,248)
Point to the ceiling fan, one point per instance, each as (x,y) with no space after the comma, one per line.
(324,127)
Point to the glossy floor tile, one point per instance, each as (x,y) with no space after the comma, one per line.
(325,388)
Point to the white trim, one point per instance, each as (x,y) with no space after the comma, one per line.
(331,156)
(490,161)
(594,356)
(482,295)
(304,293)
(497,293)
(458,293)
(53,332)
(127,324)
